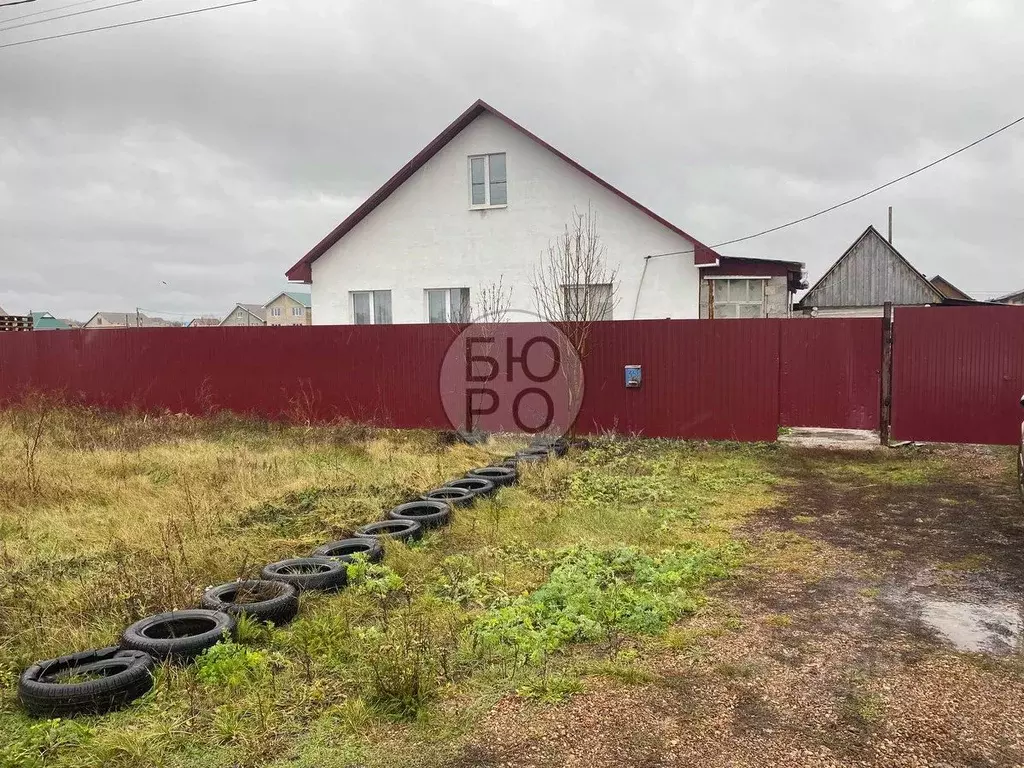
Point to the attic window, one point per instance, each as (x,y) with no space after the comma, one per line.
(487,181)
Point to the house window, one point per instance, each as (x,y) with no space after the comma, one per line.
(276,311)
(298,311)
(448,305)
(371,307)
(738,298)
(487,181)
(588,302)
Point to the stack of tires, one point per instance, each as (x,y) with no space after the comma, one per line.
(106,679)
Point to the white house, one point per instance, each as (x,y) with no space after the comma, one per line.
(482,202)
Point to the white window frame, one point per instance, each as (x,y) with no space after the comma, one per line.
(713,296)
(448,303)
(576,287)
(275,311)
(373,306)
(487,181)
(298,311)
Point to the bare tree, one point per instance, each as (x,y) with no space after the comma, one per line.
(574,287)
(494,302)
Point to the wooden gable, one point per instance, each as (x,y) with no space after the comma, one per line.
(870,273)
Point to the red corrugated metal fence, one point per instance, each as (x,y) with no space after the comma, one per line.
(958,374)
(831,373)
(701,379)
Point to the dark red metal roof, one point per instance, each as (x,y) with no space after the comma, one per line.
(302,272)
(733,266)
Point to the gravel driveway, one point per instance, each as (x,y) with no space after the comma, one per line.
(880,626)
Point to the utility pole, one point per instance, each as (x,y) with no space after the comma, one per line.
(890,225)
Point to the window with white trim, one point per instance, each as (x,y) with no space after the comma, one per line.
(587,302)
(275,311)
(448,305)
(371,307)
(298,311)
(738,298)
(488,184)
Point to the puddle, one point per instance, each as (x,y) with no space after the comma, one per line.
(974,616)
(990,628)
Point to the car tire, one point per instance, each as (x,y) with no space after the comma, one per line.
(345,550)
(123,676)
(478,486)
(500,476)
(178,635)
(558,446)
(276,602)
(533,455)
(399,530)
(427,512)
(453,497)
(323,574)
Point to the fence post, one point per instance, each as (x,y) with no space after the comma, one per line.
(885,427)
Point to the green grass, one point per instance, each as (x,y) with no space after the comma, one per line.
(113,518)
(882,468)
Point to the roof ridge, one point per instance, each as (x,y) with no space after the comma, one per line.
(301,271)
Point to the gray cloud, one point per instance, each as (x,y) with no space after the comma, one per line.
(210,153)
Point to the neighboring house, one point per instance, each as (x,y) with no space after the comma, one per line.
(203,322)
(481,203)
(246,314)
(1010,298)
(289,308)
(44,321)
(870,273)
(748,288)
(125,320)
(948,290)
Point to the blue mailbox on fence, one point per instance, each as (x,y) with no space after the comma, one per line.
(633,376)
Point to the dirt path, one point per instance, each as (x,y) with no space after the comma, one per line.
(882,628)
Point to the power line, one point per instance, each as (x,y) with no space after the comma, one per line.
(50,10)
(127,23)
(852,199)
(69,15)
(17,2)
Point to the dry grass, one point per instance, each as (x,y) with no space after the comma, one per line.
(105,519)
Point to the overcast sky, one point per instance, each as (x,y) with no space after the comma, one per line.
(184,165)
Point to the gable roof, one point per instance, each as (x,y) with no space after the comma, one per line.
(3,313)
(302,270)
(130,320)
(44,321)
(203,322)
(1014,297)
(926,286)
(947,289)
(253,310)
(256,310)
(304,299)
